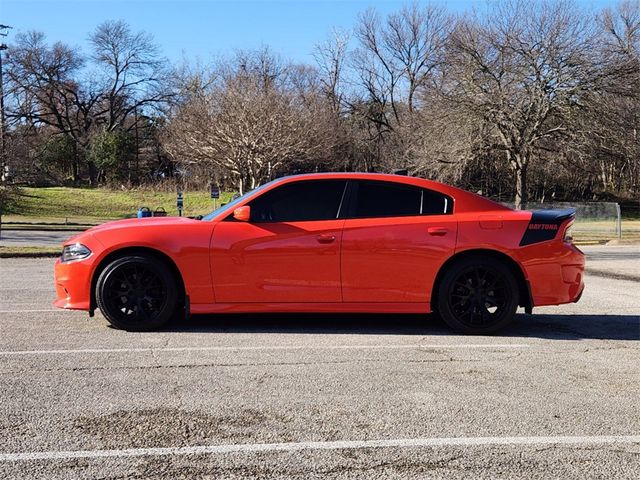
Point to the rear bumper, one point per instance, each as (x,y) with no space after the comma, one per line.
(579,295)
(556,274)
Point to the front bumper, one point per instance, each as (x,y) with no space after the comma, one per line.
(73,285)
(73,279)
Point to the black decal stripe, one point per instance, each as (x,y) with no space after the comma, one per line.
(545,225)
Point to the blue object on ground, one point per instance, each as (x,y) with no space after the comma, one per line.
(144,212)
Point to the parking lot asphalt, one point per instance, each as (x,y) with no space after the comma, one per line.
(317,396)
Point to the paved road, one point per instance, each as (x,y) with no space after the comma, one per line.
(36,238)
(620,260)
(304,396)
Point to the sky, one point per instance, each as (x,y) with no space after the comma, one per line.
(204,29)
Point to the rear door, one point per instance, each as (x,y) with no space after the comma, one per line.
(394,241)
(288,252)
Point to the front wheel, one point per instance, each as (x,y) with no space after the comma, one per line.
(477,295)
(136,293)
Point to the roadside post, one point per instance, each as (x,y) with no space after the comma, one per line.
(180,203)
(215,194)
(618,221)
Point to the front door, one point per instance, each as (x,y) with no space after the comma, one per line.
(289,252)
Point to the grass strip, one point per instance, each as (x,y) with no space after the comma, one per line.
(29,252)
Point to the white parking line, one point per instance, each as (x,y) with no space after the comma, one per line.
(264,347)
(22,289)
(33,311)
(9,305)
(335,445)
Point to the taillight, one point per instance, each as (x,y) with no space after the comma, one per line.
(568,234)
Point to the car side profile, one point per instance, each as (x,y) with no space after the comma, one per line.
(334,242)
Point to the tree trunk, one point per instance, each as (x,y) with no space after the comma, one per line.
(93,174)
(75,166)
(1,209)
(521,197)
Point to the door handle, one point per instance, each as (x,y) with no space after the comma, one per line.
(326,238)
(437,231)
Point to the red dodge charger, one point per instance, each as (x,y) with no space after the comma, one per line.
(347,242)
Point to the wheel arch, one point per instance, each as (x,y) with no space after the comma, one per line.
(122,252)
(524,290)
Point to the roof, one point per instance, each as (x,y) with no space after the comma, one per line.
(464,201)
(366,176)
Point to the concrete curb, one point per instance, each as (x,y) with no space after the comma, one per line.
(29,254)
(46,229)
(614,276)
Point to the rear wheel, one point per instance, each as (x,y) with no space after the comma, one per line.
(477,295)
(136,293)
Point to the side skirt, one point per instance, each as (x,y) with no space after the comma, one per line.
(347,307)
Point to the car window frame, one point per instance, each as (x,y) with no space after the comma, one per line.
(353,197)
(341,205)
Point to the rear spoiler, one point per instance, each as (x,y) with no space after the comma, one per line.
(544,225)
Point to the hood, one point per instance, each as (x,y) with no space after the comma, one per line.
(132,223)
(141,222)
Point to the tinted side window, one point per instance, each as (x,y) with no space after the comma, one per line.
(383,199)
(386,199)
(300,201)
(434,203)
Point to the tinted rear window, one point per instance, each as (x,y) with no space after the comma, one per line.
(386,199)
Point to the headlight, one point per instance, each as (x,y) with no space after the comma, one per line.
(77,251)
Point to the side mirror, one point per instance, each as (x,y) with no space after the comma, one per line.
(242,214)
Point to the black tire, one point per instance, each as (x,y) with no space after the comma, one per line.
(477,295)
(137,293)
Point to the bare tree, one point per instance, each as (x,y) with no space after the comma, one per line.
(522,69)
(396,57)
(331,58)
(622,30)
(44,90)
(131,74)
(249,124)
(606,135)
(543,92)
(56,87)
(442,138)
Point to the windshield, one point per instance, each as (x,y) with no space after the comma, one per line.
(229,206)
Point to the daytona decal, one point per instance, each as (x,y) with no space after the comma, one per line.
(544,225)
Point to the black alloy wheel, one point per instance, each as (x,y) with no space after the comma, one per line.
(478,295)
(136,293)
